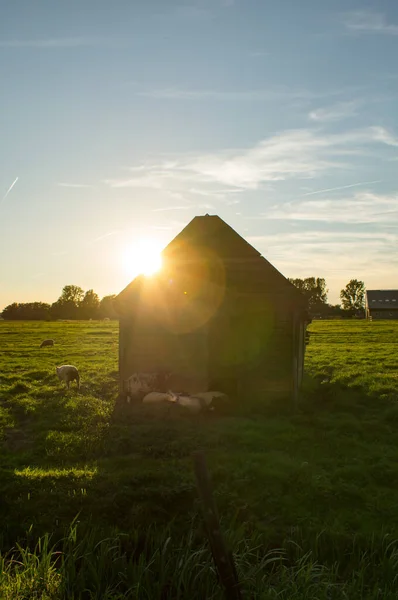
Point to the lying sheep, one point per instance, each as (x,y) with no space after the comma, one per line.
(140,384)
(68,373)
(195,403)
(157,398)
(47,343)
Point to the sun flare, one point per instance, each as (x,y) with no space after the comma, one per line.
(142,257)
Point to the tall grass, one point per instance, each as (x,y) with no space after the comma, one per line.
(159,566)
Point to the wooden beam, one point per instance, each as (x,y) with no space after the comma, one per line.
(222,557)
(295,360)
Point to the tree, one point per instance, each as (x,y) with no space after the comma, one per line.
(72,293)
(89,306)
(353,295)
(11,311)
(28,311)
(107,308)
(67,305)
(314,290)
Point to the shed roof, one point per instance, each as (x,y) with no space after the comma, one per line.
(211,232)
(209,238)
(382,299)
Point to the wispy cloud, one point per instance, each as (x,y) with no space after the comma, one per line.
(184,207)
(214,193)
(363,207)
(86,243)
(342,187)
(315,236)
(268,94)
(369,22)
(382,135)
(295,153)
(299,153)
(104,236)
(167,208)
(337,112)
(75,185)
(71,42)
(371,255)
(9,189)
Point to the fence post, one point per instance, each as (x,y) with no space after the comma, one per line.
(223,559)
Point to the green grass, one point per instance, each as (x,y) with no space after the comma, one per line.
(161,566)
(323,476)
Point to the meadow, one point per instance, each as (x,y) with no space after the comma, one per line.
(100,502)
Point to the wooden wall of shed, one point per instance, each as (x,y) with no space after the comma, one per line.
(252,349)
(147,347)
(250,343)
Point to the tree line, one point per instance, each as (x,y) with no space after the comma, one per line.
(73,303)
(314,289)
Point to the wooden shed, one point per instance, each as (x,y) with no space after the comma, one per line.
(217,316)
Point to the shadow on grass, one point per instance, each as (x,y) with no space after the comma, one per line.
(278,470)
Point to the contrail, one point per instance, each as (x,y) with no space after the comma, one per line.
(102,237)
(343,187)
(9,189)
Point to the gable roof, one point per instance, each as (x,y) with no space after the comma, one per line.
(211,232)
(210,238)
(380,299)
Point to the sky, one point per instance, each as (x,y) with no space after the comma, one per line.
(120,121)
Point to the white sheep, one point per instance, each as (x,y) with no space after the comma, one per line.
(68,373)
(193,403)
(140,384)
(157,398)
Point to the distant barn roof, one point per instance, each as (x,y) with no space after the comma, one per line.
(382,298)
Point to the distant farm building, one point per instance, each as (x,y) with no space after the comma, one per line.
(217,316)
(381,304)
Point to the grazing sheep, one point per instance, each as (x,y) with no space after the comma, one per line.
(47,343)
(68,373)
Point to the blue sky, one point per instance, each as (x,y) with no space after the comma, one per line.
(122,120)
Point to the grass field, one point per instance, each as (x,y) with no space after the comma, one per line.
(316,486)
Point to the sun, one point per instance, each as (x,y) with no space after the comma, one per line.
(142,257)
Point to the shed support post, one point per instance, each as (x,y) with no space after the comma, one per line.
(295,359)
